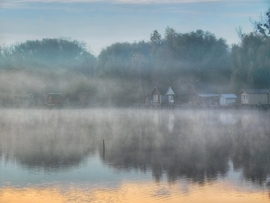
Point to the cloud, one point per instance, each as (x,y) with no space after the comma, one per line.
(18,3)
(111,1)
(162,1)
(14,3)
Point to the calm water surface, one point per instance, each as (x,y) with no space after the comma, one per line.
(134,156)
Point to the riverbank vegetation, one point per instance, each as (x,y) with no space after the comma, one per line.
(124,73)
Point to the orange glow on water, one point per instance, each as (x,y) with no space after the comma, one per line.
(135,192)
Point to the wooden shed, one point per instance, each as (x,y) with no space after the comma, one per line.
(202,94)
(227,99)
(158,95)
(254,96)
(54,99)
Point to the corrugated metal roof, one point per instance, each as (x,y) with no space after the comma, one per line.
(256,91)
(229,96)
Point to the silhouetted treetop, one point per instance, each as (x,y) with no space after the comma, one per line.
(263,26)
(49,54)
(155,38)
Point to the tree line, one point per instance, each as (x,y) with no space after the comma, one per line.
(124,73)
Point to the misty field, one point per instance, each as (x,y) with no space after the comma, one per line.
(105,148)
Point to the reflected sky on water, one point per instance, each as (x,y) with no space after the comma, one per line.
(134,155)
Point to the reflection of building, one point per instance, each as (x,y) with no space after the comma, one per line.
(228,118)
(171,122)
(191,144)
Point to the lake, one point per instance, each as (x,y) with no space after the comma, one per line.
(134,155)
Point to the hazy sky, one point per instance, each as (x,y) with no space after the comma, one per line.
(102,22)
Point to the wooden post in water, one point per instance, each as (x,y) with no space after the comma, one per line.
(103,149)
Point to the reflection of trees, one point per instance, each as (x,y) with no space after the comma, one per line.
(195,145)
(192,148)
(48,140)
(251,147)
(190,144)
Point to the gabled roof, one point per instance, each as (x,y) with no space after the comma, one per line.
(229,96)
(170,91)
(255,91)
(161,90)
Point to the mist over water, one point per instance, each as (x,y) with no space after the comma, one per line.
(127,149)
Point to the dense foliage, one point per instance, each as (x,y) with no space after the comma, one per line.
(48,54)
(193,56)
(250,62)
(250,59)
(125,72)
(176,59)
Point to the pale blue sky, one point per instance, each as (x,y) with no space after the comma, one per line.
(101,23)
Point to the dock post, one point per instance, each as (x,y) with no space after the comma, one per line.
(103,149)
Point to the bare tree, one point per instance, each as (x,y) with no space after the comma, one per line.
(263,26)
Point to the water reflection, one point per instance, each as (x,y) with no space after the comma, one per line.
(200,147)
(135,192)
(49,142)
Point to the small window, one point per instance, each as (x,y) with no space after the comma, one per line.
(170,98)
(155,98)
(245,97)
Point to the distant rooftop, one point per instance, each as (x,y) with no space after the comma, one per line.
(256,91)
(170,91)
(162,90)
(229,96)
